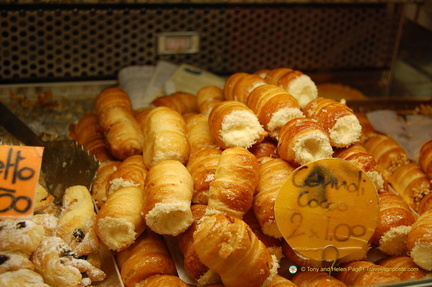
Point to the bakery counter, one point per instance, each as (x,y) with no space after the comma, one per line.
(187,191)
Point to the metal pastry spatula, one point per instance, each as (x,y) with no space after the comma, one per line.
(64,163)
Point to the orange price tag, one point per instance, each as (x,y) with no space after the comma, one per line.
(327,203)
(19,175)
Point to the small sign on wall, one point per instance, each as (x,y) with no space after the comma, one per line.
(178,43)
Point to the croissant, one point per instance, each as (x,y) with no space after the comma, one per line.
(169,189)
(419,241)
(88,133)
(273,172)
(193,266)
(411,183)
(264,149)
(228,246)
(403,267)
(208,97)
(42,199)
(182,102)
(365,273)
(162,280)
(316,279)
(394,222)
(359,156)
(238,86)
(425,158)
(131,172)
(337,119)
(76,224)
(236,178)
(100,182)
(387,152)
(119,222)
(198,132)
(233,124)
(116,118)
(166,136)
(274,107)
(299,85)
(146,257)
(60,267)
(202,167)
(303,140)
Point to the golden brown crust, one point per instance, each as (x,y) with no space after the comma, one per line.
(394,213)
(410,182)
(316,279)
(100,183)
(274,107)
(169,189)
(208,97)
(273,76)
(130,172)
(266,148)
(116,118)
(245,85)
(425,158)
(236,178)
(202,166)
(273,172)
(166,136)
(230,83)
(337,119)
(404,267)
(302,140)
(365,273)
(388,154)
(147,256)
(162,280)
(425,204)
(198,132)
(89,134)
(229,247)
(22,277)
(119,221)
(182,102)
(419,241)
(232,124)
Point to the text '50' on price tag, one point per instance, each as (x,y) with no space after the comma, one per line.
(19,175)
(328,202)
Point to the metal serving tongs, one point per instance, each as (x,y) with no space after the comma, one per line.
(64,163)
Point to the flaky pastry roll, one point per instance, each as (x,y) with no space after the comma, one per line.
(198,132)
(116,118)
(166,136)
(236,178)
(274,107)
(337,119)
(119,222)
(303,140)
(233,124)
(229,247)
(208,97)
(169,189)
(419,241)
(181,102)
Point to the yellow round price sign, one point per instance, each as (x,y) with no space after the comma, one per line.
(328,202)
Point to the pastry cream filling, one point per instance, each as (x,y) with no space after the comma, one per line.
(346,131)
(312,147)
(422,255)
(303,89)
(280,118)
(241,128)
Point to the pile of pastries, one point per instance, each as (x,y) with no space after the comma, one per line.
(203,172)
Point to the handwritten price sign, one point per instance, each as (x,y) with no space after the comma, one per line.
(19,175)
(328,202)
